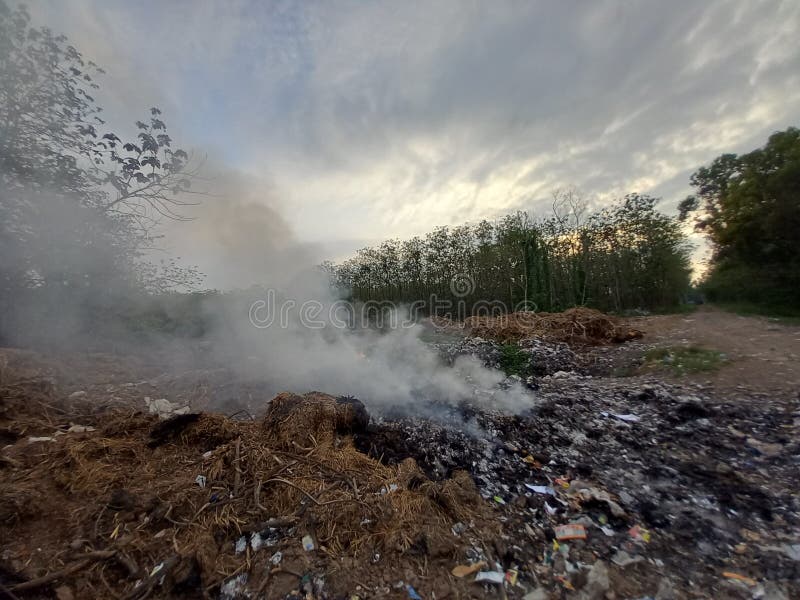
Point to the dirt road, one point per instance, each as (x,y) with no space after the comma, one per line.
(763,355)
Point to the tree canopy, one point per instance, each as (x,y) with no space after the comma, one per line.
(749,206)
(625,256)
(78,203)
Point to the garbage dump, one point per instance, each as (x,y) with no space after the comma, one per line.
(604,488)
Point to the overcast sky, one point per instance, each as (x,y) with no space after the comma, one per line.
(364,120)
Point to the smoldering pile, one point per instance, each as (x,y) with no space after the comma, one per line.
(624,486)
(543,357)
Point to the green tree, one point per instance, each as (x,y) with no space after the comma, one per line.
(749,207)
(78,204)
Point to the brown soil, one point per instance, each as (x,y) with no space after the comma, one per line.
(762,354)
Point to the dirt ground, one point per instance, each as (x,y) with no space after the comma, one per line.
(763,355)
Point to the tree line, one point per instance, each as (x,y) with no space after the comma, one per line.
(749,207)
(623,257)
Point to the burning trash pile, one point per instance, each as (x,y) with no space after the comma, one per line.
(606,488)
(540,358)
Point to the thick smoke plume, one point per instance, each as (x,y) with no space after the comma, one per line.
(290,328)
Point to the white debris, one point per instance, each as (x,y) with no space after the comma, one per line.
(490,577)
(73,428)
(241,545)
(541,489)
(164,408)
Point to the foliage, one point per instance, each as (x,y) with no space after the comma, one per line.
(749,206)
(514,360)
(622,257)
(684,360)
(78,203)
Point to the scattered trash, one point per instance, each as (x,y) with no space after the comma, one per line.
(541,489)
(276,558)
(76,395)
(80,428)
(464,570)
(200,480)
(565,582)
(639,533)
(551,510)
(458,528)
(499,500)
(164,408)
(623,559)
(241,545)
(586,492)
(256,542)
(496,577)
(511,576)
(34,439)
(532,461)
(570,531)
(737,577)
(233,588)
(308,543)
(629,418)
(412,593)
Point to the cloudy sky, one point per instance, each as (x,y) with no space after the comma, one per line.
(361,120)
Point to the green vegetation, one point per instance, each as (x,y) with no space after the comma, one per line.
(749,207)
(514,360)
(626,256)
(684,360)
(79,205)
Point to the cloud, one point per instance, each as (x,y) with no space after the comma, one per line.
(384,119)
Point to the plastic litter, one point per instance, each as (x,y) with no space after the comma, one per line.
(541,489)
(532,461)
(738,577)
(464,570)
(164,408)
(628,418)
(412,593)
(256,542)
(511,576)
(308,543)
(497,577)
(241,545)
(499,500)
(623,559)
(233,587)
(571,531)
(73,428)
(639,533)
(34,439)
(200,480)
(276,558)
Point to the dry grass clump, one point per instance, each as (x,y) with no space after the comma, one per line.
(575,326)
(127,497)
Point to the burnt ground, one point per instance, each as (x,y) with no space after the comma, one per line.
(693,496)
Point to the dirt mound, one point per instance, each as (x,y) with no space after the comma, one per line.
(129,506)
(575,326)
